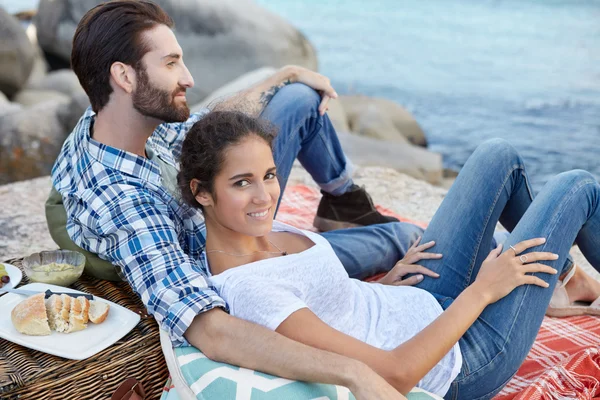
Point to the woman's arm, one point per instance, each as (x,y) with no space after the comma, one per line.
(407,364)
(225,338)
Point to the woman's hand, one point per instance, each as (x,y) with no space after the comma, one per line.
(407,266)
(500,274)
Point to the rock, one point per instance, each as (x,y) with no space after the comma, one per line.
(29,146)
(29,97)
(404,157)
(16,54)
(63,81)
(382,118)
(6,107)
(221,40)
(337,115)
(238,84)
(69,114)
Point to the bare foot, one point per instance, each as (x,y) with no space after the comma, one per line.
(582,287)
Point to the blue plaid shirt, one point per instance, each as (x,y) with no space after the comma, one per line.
(118,208)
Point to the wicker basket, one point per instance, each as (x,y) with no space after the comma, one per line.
(30,374)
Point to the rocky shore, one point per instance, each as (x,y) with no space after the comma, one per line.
(228,45)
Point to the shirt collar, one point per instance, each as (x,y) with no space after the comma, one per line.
(113,158)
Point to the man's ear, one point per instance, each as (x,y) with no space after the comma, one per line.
(203,197)
(123,75)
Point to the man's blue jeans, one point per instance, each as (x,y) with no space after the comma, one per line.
(491,187)
(310,137)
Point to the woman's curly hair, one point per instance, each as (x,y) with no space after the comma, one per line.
(203,150)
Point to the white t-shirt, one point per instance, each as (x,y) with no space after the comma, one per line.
(267,292)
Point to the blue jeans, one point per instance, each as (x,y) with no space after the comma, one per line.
(492,187)
(310,137)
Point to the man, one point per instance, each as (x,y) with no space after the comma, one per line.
(116,177)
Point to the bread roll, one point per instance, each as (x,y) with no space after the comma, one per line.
(98,311)
(61,313)
(29,316)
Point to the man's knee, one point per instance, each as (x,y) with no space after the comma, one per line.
(498,150)
(298,95)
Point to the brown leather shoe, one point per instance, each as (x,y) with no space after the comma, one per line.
(351,209)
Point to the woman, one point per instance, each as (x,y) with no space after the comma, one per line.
(463,335)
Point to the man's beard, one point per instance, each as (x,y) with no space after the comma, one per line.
(156,103)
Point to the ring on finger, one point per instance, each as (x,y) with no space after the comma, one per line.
(515,250)
(523,258)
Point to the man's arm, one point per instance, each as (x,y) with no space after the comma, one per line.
(254,99)
(137,234)
(222,337)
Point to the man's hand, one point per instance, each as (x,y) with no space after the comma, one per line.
(370,386)
(318,82)
(407,266)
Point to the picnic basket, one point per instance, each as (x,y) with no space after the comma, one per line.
(30,374)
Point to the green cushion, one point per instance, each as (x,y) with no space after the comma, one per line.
(56,218)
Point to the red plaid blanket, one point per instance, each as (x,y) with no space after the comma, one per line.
(564,362)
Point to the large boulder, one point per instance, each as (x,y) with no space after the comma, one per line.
(382,119)
(337,115)
(29,146)
(404,157)
(17,54)
(64,81)
(29,97)
(221,39)
(240,83)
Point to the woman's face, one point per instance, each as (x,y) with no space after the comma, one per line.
(246,191)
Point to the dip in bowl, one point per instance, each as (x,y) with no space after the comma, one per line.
(58,267)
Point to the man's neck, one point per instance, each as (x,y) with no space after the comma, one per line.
(123,128)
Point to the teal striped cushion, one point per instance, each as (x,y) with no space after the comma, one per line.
(210,380)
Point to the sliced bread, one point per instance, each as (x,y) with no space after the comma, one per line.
(98,311)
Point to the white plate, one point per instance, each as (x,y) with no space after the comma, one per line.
(77,345)
(15,275)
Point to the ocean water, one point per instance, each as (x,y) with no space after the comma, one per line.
(527,71)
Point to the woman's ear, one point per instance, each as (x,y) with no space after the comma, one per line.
(202,196)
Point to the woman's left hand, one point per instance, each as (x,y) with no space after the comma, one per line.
(407,266)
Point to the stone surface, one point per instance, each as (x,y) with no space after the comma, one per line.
(238,84)
(404,157)
(382,119)
(29,97)
(30,140)
(220,39)
(17,54)
(337,115)
(64,81)
(69,113)
(23,227)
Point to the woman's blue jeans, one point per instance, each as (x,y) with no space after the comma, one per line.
(492,187)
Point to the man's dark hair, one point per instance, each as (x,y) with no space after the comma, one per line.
(108,33)
(204,147)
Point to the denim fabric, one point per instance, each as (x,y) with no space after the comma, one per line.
(309,137)
(493,186)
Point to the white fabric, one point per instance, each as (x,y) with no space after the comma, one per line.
(267,292)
